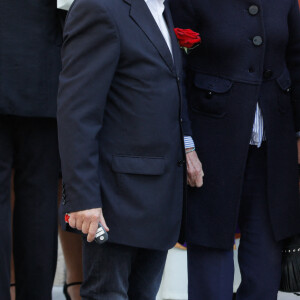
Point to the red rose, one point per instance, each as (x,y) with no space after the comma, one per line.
(187,38)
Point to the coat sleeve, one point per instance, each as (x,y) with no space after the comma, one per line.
(186,123)
(90,55)
(293,59)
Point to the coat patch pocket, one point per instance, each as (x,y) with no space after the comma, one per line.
(209,95)
(284,96)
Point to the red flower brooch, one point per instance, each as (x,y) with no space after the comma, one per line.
(188,39)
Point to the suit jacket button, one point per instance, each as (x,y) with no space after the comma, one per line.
(267,74)
(180,163)
(253,10)
(257,40)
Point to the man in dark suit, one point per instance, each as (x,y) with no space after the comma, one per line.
(30,37)
(121,143)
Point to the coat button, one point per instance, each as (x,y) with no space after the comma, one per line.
(257,40)
(209,94)
(267,74)
(288,90)
(253,10)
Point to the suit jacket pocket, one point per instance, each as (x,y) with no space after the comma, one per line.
(139,165)
(138,177)
(209,95)
(284,95)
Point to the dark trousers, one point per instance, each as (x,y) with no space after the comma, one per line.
(211,271)
(29,145)
(118,272)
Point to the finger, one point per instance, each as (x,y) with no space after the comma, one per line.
(201,171)
(86,226)
(198,174)
(188,182)
(188,178)
(92,231)
(191,182)
(199,181)
(103,223)
(191,172)
(72,221)
(194,177)
(79,222)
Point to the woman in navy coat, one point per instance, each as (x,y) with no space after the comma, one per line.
(243,88)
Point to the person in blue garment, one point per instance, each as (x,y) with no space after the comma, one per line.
(31,36)
(243,91)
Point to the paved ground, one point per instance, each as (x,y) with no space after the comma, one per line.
(60,269)
(59,279)
(58,295)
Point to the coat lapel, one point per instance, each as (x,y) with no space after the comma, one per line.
(142,16)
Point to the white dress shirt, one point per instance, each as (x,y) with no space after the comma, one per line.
(157,8)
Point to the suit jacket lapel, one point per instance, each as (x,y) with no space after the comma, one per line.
(175,45)
(142,16)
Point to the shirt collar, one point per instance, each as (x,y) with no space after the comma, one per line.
(160,2)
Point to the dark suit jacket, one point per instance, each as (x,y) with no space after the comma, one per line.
(248,54)
(119,119)
(31,36)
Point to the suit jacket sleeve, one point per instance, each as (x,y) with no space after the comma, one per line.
(293,58)
(90,56)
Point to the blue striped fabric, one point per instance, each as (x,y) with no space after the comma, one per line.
(188,142)
(258,132)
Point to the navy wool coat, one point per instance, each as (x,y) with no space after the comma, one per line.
(119,121)
(250,53)
(31,37)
